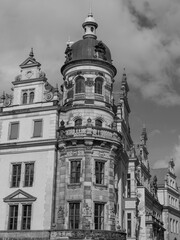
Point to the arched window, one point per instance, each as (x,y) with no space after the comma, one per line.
(80,85)
(24,101)
(98,85)
(78,122)
(98,123)
(31,97)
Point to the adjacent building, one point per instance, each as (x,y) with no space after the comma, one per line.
(168,195)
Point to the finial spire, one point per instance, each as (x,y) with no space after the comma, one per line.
(144,137)
(31,54)
(90,24)
(90,8)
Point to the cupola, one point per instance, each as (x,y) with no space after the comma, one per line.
(90,27)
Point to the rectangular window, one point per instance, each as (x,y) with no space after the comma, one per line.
(29,175)
(99,172)
(26,217)
(99,216)
(129,230)
(13,217)
(74,215)
(75,171)
(16,175)
(128,185)
(14,130)
(37,128)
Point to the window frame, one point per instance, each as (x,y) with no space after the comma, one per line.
(13,217)
(30,176)
(76,172)
(99,218)
(100,173)
(41,131)
(128,185)
(74,216)
(28,97)
(129,224)
(17,176)
(79,85)
(27,217)
(10,130)
(98,85)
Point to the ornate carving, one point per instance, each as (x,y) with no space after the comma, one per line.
(61,214)
(7,99)
(87,211)
(100,51)
(68,53)
(18,78)
(89,82)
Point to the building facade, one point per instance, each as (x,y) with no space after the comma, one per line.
(70,169)
(168,195)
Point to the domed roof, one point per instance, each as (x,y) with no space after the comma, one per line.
(90,48)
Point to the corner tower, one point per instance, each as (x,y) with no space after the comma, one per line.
(90,178)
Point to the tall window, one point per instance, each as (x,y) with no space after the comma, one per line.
(99,172)
(74,215)
(13,217)
(99,215)
(75,171)
(25,97)
(80,85)
(129,229)
(14,130)
(26,217)
(16,175)
(98,85)
(31,97)
(37,128)
(29,175)
(78,122)
(98,123)
(128,185)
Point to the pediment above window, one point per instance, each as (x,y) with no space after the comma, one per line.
(19,196)
(30,62)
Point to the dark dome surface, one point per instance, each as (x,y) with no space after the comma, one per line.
(87,48)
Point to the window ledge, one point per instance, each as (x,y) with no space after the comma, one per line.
(74,185)
(100,185)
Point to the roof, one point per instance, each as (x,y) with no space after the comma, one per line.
(160,173)
(86,49)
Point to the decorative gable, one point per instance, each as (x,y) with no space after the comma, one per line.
(30,62)
(19,196)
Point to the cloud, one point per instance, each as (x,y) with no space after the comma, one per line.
(154,133)
(153,51)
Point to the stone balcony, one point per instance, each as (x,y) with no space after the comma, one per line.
(87,234)
(63,235)
(90,133)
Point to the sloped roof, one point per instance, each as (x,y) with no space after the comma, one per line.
(160,173)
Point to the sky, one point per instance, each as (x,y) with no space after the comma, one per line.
(144,37)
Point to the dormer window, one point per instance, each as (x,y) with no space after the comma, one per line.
(98,85)
(98,123)
(80,85)
(78,122)
(28,96)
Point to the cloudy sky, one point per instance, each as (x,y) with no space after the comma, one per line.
(144,37)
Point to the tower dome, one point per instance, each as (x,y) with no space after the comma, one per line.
(88,50)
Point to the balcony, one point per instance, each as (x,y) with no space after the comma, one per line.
(90,133)
(87,234)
